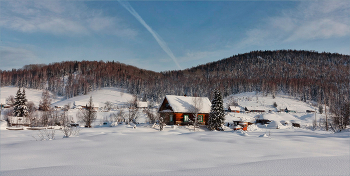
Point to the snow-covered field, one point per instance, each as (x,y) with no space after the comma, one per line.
(124,150)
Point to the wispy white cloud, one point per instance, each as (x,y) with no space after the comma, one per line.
(160,41)
(60,18)
(310,20)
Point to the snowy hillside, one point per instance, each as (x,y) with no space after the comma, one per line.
(33,95)
(253,101)
(116,96)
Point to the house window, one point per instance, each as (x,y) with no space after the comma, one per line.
(167,105)
(200,118)
(185,118)
(171,118)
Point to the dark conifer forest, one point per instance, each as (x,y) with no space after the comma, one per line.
(307,75)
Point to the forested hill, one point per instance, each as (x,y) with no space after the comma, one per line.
(304,74)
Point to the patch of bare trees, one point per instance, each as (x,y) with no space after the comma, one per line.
(88,115)
(108,105)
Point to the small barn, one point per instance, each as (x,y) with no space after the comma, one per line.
(179,110)
(235,109)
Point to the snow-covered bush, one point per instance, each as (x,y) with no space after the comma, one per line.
(70,131)
(45,134)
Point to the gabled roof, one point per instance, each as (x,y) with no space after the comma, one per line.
(235,108)
(83,103)
(185,104)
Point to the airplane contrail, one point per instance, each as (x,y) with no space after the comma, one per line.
(159,39)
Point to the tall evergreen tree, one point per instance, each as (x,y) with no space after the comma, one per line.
(217,113)
(20,108)
(16,108)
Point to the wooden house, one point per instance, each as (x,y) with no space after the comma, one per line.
(235,109)
(179,110)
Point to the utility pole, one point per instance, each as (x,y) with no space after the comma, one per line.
(0,98)
(315,124)
(325,111)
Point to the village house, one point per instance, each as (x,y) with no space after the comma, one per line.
(180,110)
(82,105)
(235,109)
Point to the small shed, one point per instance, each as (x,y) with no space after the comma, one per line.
(296,124)
(142,105)
(235,109)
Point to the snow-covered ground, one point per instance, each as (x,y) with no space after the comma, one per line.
(123,150)
(178,150)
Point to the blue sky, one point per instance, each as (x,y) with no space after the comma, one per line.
(166,35)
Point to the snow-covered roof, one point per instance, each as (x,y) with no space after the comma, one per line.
(186,103)
(141,104)
(235,108)
(83,103)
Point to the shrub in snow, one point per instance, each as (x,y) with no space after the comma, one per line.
(70,131)
(45,134)
(275,104)
(263,135)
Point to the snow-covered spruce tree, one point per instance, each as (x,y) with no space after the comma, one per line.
(217,113)
(20,107)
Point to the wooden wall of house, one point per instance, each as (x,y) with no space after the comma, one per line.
(178,118)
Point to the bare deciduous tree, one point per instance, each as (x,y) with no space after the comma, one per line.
(10,100)
(132,107)
(88,115)
(150,115)
(195,109)
(108,105)
(45,101)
